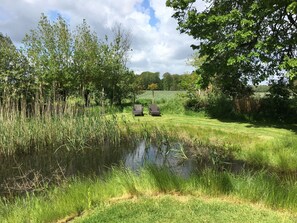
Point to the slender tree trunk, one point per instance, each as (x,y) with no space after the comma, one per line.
(153,92)
(86,97)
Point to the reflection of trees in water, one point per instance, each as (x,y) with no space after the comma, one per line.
(35,172)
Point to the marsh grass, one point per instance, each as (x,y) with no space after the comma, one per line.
(75,197)
(25,136)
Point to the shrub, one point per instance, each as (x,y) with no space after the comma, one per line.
(143,101)
(220,106)
(173,106)
(196,104)
(274,107)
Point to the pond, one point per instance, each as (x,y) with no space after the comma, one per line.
(33,172)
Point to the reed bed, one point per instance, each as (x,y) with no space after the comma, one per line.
(27,135)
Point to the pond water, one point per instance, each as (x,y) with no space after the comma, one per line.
(32,172)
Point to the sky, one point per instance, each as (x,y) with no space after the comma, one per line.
(157,45)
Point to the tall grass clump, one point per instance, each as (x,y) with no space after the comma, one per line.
(173,106)
(50,133)
(215,105)
(264,187)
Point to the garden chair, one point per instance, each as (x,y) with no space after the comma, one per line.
(154,110)
(137,110)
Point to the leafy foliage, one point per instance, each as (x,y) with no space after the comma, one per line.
(55,64)
(242,40)
(15,79)
(146,78)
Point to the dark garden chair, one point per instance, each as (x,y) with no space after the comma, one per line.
(154,110)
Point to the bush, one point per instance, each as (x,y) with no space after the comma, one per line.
(278,105)
(220,106)
(196,104)
(275,107)
(215,105)
(143,101)
(173,106)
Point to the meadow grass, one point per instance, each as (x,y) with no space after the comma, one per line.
(160,95)
(236,195)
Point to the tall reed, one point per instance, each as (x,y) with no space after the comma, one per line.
(19,134)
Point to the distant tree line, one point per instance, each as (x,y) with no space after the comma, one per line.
(168,82)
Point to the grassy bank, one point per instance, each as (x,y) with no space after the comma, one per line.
(244,196)
(171,208)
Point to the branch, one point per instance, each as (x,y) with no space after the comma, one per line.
(291,19)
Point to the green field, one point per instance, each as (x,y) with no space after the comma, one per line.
(159,95)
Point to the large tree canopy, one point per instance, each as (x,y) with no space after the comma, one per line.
(242,40)
(71,64)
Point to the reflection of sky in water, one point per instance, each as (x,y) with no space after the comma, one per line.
(150,154)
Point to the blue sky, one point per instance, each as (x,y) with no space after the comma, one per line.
(157,45)
(147,6)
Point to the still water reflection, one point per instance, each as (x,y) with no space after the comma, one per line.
(20,171)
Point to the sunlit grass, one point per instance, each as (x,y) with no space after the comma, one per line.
(276,196)
(170,208)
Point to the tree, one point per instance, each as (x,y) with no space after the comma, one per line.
(192,83)
(153,87)
(242,40)
(88,62)
(118,80)
(167,81)
(147,78)
(49,51)
(176,82)
(15,79)
(77,64)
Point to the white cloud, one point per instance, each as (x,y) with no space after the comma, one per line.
(159,48)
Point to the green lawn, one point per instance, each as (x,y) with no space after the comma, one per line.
(262,144)
(171,208)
